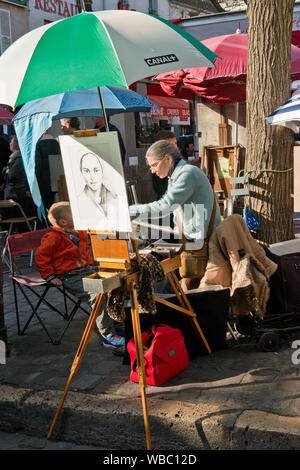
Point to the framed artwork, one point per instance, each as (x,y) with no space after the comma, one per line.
(56,170)
(95,181)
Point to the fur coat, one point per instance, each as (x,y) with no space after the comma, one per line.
(150,270)
(236,260)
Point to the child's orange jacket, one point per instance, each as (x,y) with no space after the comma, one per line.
(57,254)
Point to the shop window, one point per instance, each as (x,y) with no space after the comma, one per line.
(153,7)
(5,30)
(123,5)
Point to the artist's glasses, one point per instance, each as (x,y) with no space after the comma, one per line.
(155,165)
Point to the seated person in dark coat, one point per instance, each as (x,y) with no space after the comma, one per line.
(46,146)
(4,156)
(16,185)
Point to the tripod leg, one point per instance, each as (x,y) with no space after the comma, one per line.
(184,298)
(140,360)
(175,289)
(79,355)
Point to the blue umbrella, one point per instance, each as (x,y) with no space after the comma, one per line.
(87,103)
(35,117)
(287,115)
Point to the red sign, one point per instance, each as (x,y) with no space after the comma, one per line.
(169,106)
(163,111)
(58,7)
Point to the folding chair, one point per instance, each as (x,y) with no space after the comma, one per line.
(35,284)
(31,222)
(131,191)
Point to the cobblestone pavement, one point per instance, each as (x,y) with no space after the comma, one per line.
(19,441)
(236,398)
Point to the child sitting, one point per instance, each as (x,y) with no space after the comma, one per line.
(63,259)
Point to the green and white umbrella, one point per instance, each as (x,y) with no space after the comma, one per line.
(104,48)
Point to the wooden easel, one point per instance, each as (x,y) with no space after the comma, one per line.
(170,265)
(112,272)
(114,262)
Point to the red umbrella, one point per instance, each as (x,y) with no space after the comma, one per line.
(5,116)
(227,82)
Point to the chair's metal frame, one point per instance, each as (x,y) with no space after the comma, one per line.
(41,296)
(9,203)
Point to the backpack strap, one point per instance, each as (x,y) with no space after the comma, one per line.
(210,226)
(212,219)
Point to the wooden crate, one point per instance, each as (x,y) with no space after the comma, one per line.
(218,162)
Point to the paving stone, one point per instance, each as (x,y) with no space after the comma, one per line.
(206,406)
(257,429)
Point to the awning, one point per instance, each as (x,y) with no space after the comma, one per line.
(296,38)
(154,89)
(5,116)
(170,107)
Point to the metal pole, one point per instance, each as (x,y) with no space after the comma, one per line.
(236,136)
(236,117)
(3,334)
(103,109)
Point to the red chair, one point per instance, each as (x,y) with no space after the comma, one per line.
(32,282)
(31,222)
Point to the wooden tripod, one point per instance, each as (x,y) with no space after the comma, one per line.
(131,286)
(169,266)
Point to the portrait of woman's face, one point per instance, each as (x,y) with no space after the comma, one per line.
(95,181)
(91,170)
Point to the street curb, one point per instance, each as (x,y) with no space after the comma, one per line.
(116,422)
(260,430)
(111,422)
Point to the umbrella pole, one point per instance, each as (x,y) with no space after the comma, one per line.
(103,109)
(236,136)
(235,164)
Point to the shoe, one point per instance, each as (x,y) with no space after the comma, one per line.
(119,352)
(114,342)
(120,331)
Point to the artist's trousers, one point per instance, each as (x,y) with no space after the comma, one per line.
(72,282)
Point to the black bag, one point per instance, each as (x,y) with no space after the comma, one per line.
(211,308)
(284,284)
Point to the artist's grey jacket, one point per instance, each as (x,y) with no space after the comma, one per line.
(190,190)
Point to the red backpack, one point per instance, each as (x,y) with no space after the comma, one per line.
(165,356)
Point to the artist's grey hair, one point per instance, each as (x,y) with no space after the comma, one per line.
(161,148)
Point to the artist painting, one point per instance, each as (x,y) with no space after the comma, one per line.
(95,181)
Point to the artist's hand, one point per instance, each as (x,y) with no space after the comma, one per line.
(56,282)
